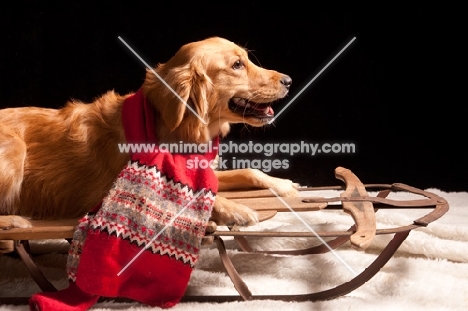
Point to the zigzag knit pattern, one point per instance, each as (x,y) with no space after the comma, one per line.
(139,216)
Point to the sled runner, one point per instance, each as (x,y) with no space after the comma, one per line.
(354,200)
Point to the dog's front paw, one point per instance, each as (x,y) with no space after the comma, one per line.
(227,212)
(285,187)
(282,187)
(13,221)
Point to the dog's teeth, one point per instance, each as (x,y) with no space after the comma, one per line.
(240,102)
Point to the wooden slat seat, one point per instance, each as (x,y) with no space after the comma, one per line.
(42,229)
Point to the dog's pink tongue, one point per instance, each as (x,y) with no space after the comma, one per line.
(265,110)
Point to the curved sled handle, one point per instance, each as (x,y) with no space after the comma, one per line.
(362,212)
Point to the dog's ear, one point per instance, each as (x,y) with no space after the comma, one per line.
(161,86)
(184,85)
(201,91)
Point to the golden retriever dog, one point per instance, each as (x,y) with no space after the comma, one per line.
(59,163)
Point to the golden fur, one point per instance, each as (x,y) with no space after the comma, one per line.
(59,163)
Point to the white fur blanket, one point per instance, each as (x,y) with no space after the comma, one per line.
(428,272)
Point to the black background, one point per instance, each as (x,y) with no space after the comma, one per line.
(392,92)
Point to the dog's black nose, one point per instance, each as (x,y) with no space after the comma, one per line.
(286,81)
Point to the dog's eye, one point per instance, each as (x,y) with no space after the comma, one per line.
(238,65)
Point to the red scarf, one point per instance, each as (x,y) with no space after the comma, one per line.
(148,193)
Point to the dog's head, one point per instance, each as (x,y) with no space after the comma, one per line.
(216,84)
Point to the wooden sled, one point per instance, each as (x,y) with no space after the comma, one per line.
(354,200)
